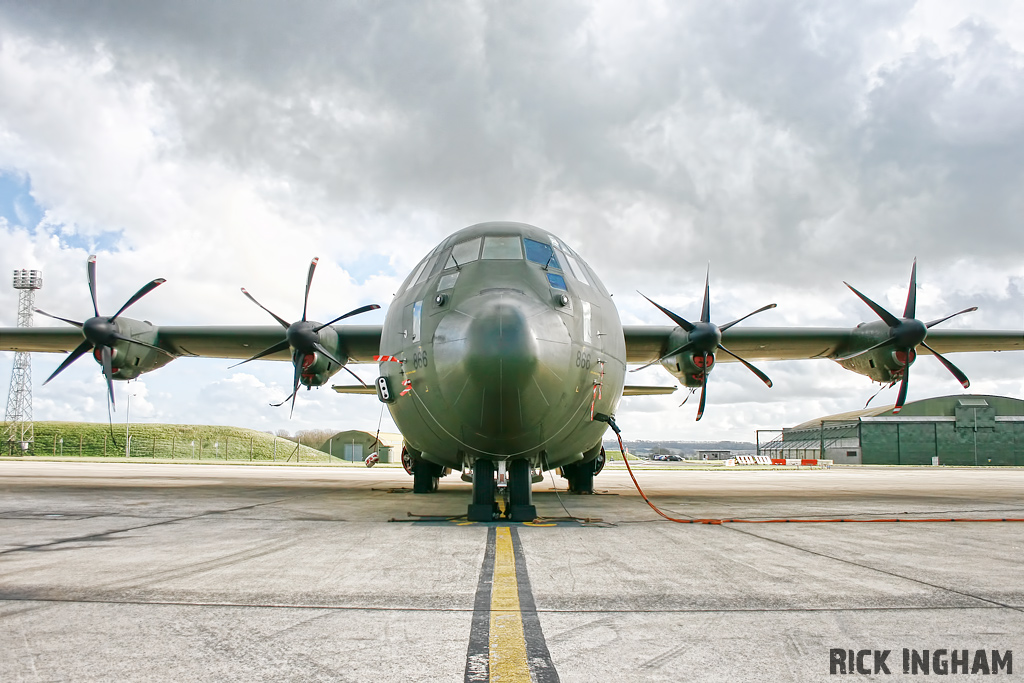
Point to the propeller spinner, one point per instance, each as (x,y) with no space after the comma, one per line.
(906,334)
(303,338)
(101,332)
(704,338)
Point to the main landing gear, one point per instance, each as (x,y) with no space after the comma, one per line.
(519,491)
(580,475)
(425,475)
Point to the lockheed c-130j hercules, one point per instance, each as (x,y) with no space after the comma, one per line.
(502,356)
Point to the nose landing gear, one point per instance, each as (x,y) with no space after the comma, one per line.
(518,492)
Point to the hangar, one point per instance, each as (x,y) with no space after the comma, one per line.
(355,445)
(948,430)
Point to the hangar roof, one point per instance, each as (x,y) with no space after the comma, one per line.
(941,406)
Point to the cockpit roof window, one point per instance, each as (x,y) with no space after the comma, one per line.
(416,274)
(496,247)
(541,253)
(575,268)
(425,271)
(463,253)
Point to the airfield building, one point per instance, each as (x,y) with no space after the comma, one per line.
(950,430)
(355,445)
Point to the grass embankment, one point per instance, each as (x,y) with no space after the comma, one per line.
(616,456)
(164,441)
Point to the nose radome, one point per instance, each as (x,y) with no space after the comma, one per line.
(500,359)
(502,347)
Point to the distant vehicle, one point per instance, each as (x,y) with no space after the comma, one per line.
(673,457)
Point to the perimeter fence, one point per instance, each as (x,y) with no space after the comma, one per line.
(158,441)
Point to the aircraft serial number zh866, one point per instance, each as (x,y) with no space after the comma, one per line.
(502,356)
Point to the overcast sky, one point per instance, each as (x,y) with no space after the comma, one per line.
(791,145)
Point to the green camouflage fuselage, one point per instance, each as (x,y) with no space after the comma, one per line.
(507,344)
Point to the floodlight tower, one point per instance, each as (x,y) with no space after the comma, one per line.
(19,433)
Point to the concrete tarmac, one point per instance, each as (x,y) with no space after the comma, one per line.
(176,572)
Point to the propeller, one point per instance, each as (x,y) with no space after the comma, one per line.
(704,338)
(101,332)
(303,338)
(906,334)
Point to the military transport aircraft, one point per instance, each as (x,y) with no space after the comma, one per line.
(502,356)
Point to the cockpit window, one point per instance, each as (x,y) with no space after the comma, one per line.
(447,281)
(464,253)
(541,253)
(502,248)
(556,281)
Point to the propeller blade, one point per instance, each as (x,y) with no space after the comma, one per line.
(902,397)
(726,326)
(883,387)
(911,309)
(91,267)
(84,347)
(889,318)
(682,322)
(705,310)
(146,289)
(972,309)
(356,376)
(297,362)
(279,346)
(703,389)
(108,373)
(954,370)
(357,311)
(682,348)
(330,356)
(286,399)
(278,318)
(57,317)
(763,377)
(879,345)
(123,338)
(309,281)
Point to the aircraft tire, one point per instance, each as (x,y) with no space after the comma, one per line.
(520,491)
(581,478)
(424,477)
(484,507)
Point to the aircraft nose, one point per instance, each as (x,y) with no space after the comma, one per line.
(501,349)
(501,359)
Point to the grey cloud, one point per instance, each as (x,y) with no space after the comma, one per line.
(490,110)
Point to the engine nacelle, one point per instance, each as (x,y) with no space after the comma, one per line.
(689,367)
(884,365)
(317,369)
(129,360)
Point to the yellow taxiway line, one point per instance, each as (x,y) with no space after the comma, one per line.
(507,659)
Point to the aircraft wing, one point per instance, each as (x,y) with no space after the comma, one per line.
(647,343)
(361,342)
